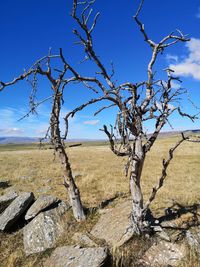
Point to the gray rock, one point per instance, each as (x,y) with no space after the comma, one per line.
(83,240)
(6,199)
(193,238)
(26,178)
(15,210)
(40,204)
(44,230)
(70,256)
(164,254)
(115,225)
(161,233)
(44,189)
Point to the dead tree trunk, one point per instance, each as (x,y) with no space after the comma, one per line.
(135,188)
(69,183)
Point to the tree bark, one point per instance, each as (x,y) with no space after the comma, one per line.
(69,183)
(135,188)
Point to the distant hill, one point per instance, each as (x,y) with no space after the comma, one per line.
(18,140)
(26,140)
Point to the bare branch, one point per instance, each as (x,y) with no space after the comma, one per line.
(103,108)
(112,143)
(164,172)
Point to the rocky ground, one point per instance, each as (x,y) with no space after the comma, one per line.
(110,242)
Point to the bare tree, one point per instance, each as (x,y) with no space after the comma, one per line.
(58,83)
(152,99)
(136,103)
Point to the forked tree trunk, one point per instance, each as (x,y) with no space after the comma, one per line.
(72,189)
(69,183)
(135,188)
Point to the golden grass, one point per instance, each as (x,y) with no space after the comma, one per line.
(99,175)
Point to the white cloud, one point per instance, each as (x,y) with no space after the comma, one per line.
(37,125)
(175,85)
(11,131)
(91,122)
(198,13)
(172,58)
(190,66)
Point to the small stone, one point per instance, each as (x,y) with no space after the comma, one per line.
(26,178)
(44,189)
(71,256)
(83,240)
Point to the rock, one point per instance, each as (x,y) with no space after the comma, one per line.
(83,240)
(26,178)
(164,254)
(6,199)
(71,256)
(44,230)
(161,233)
(114,226)
(193,238)
(15,210)
(44,189)
(40,204)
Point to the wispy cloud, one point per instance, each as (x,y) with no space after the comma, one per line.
(37,125)
(11,131)
(91,122)
(175,85)
(198,13)
(190,65)
(172,58)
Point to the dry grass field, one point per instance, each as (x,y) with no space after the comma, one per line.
(99,175)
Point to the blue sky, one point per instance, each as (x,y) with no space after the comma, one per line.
(29,28)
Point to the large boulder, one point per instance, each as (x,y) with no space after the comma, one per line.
(115,225)
(6,199)
(164,253)
(71,256)
(12,213)
(44,230)
(42,203)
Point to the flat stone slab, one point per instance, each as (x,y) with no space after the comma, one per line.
(164,254)
(44,230)
(43,202)
(70,256)
(114,224)
(6,199)
(13,212)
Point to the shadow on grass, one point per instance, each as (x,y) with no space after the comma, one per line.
(4,184)
(176,211)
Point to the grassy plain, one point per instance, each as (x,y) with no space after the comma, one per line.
(99,175)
